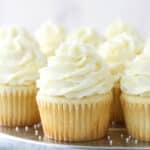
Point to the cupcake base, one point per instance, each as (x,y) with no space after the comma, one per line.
(137,116)
(117,113)
(18,106)
(75,120)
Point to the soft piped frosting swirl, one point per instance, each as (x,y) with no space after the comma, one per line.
(75,71)
(136,79)
(119,27)
(118,52)
(50,36)
(20,57)
(87,36)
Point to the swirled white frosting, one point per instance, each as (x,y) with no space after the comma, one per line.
(87,36)
(136,79)
(50,36)
(20,57)
(75,71)
(118,27)
(118,52)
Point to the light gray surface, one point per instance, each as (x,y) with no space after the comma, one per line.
(21,139)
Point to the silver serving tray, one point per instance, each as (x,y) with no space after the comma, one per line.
(32,138)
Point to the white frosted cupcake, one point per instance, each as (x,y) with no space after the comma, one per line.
(118,52)
(50,36)
(74,95)
(135,98)
(126,44)
(87,36)
(20,60)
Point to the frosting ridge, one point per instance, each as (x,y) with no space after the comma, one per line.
(20,57)
(136,79)
(87,36)
(75,71)
(50,36)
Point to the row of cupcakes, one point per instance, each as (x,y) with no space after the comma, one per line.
(72,91)
(118,46)
(77,89)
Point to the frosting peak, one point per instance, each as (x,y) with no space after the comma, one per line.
(118,27)
(20,57)
(87,36)
(118,52)
(136,79)
(75,72)
(50,36)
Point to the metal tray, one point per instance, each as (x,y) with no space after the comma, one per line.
(33,138)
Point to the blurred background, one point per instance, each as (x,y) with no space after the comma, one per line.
(76,13)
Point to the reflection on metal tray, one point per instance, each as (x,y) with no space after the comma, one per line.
(32,138)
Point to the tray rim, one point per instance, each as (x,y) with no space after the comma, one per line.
(71,146)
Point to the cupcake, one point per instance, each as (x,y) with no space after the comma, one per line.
(118,52)
(50,36)
(87,36)
(118,27)
(20,60)
(74,96)
(135,86)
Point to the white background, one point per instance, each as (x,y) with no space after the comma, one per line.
(74,13)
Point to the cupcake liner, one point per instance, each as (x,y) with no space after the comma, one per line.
(117,113)
(75,120)
(137,116)
(18,106)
